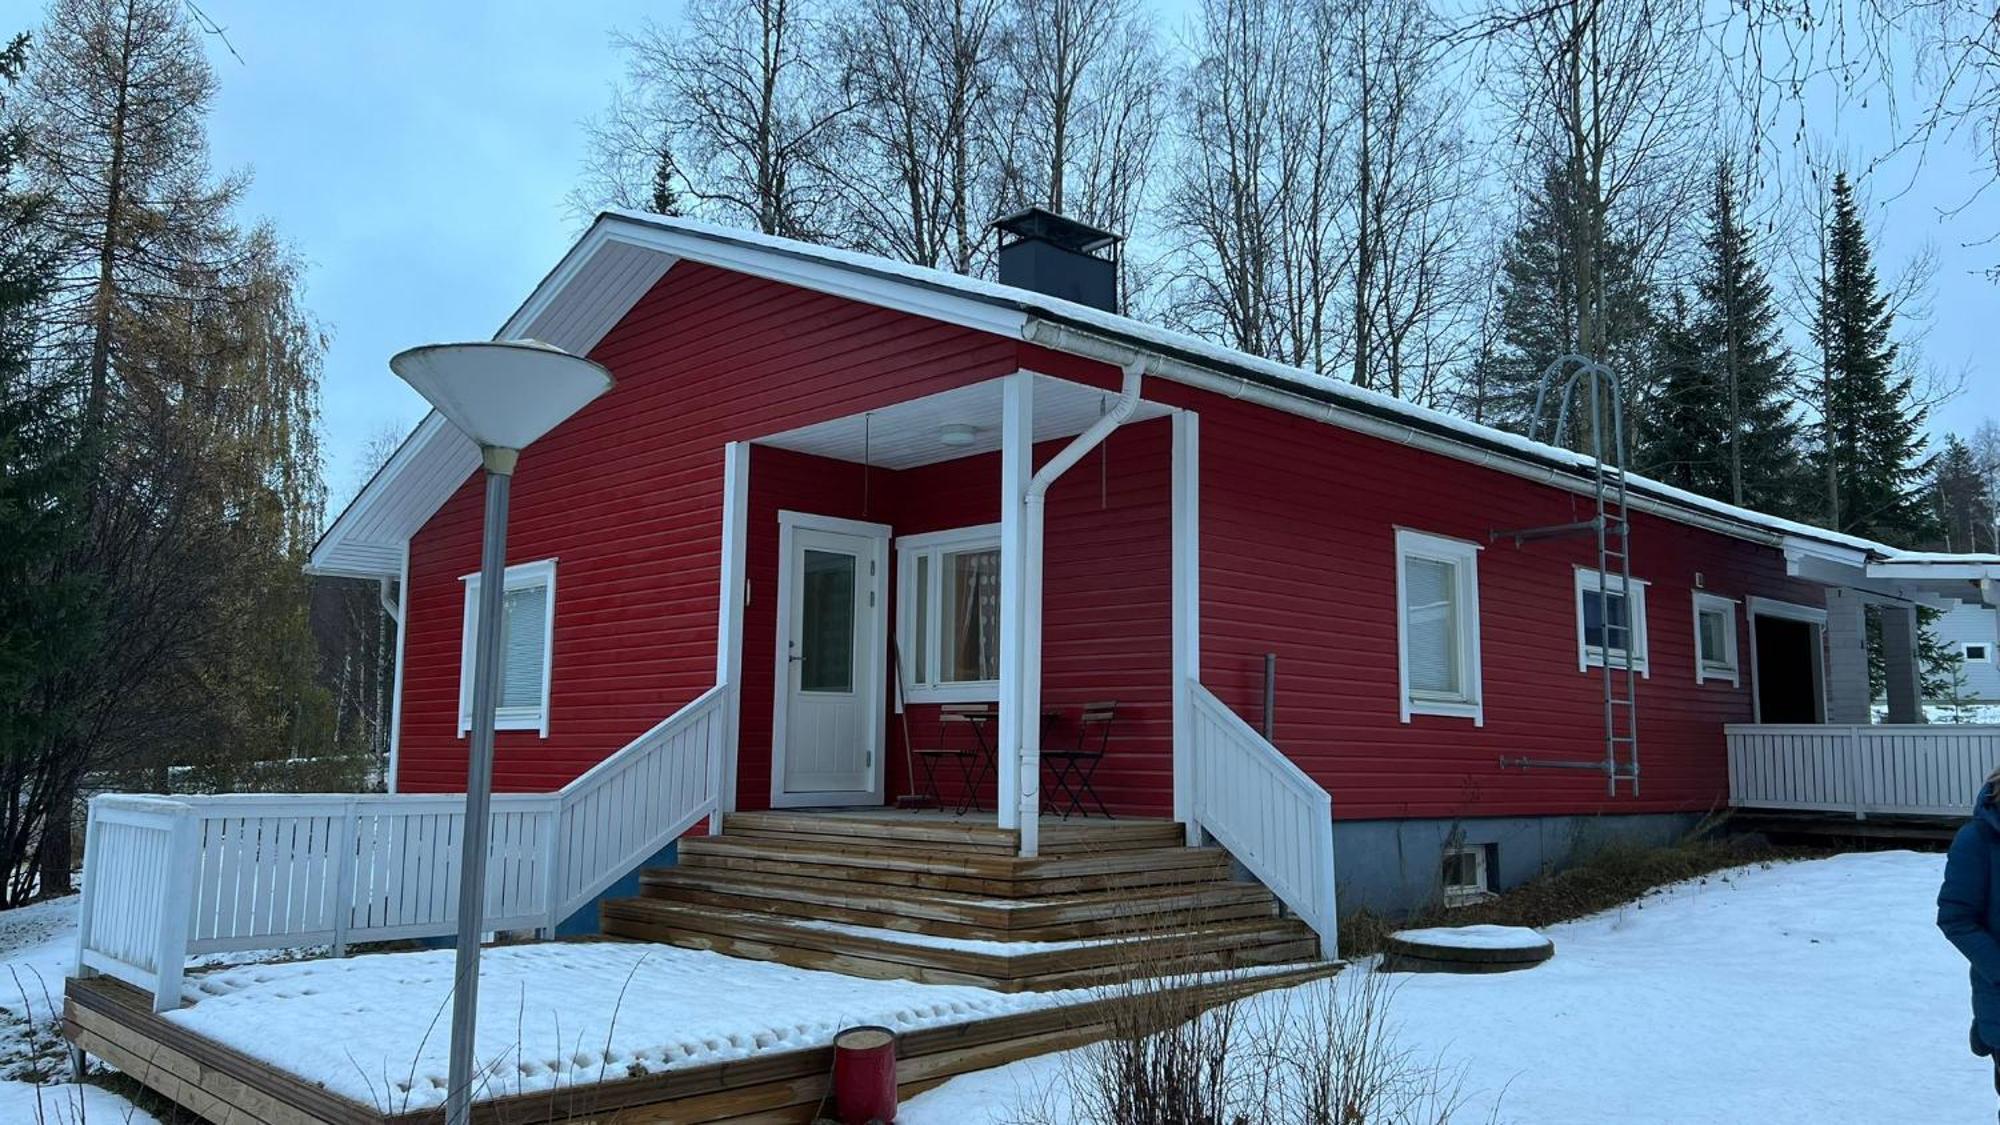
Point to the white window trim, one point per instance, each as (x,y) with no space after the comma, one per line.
(1481,887)
(935,544)
(542,572)
(1635,599)
(1732,670)
(1965,654)
(1464,556)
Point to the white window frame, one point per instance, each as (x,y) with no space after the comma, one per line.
(1732,668)
(921,685)
(541,572)
(1464,558)
(1481,887)
(1588,656)
(1985,652)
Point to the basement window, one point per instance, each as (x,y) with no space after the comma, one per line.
(527,643)
(1976,652)
(948,615)
(1610,622)
(1715,639)
(1466,876)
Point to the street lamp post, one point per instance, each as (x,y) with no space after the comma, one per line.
(503,395)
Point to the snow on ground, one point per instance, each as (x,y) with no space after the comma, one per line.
(1987,714)
(375,1028)
(37,944)
(1816,992)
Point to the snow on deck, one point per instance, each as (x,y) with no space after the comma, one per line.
(374,1028)
(1815,993)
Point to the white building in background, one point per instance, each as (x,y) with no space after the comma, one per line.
(1973,632)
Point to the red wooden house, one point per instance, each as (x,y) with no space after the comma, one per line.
(831,495)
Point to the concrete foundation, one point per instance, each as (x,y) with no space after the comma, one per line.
(1394,867)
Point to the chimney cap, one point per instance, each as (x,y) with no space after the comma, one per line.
(1042,223)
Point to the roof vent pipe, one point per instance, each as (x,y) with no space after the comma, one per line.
(1030,696)
(1059,257)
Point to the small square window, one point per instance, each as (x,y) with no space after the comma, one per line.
(1465,875)
(1715,639)
(1978,652)
(1610,622)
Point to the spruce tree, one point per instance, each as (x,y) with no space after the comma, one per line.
(1965,500)
(1688,431)
(49,627)
(1869,463)
(666,198)
(1751,375)
(1539,313)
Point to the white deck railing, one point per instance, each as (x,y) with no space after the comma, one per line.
(1274,819)
(165,878)
(1916,770)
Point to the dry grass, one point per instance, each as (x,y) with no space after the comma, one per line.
(1607,877)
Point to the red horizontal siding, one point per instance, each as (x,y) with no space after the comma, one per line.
(1298,525)
(627,497)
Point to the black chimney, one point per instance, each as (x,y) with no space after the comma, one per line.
(1043,251)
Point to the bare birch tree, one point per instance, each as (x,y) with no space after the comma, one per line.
(1084,90)
(919,159)
(740,92)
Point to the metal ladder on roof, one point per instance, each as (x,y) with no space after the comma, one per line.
(1611,526)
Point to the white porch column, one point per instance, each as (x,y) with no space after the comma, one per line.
(1187,609)
(1017,436)
(1902,662)
(729,617)
(1847,694)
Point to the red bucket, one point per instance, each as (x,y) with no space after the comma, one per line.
(864,1075)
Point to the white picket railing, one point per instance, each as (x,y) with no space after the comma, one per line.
(165,878)
(1917,769)
(1267,813)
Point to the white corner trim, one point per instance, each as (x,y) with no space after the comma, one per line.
(1733,671)
(1463,555)
(1185,583)
(1635,613)
(541,572)
(396,704)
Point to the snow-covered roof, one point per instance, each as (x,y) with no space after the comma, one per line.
(625,252)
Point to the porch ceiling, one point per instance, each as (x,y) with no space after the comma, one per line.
(909,434)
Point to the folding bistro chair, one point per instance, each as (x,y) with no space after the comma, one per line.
(961,737)
(1071,771)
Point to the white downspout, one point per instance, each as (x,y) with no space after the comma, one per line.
(1035,504)
(401,614)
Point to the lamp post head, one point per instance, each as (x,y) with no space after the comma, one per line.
(503,394)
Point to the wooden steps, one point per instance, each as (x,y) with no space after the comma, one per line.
(945,900)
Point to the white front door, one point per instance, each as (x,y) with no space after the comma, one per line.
(832,616)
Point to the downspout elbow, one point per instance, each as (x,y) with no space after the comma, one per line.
(1089,439)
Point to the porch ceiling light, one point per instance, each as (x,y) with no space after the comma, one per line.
(958,433)
(503,395)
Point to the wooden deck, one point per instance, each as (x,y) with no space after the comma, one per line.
(115,1022)
(881,894)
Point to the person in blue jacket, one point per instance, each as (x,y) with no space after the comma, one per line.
(1968,911)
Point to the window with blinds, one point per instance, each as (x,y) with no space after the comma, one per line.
(1437,619)
(527,624)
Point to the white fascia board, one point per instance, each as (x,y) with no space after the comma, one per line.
(329,555)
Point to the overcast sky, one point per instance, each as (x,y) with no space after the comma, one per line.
(417,155)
